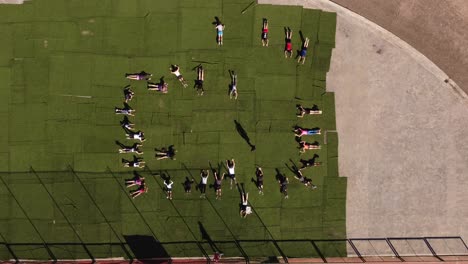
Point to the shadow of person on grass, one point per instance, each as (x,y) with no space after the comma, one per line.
(243,134)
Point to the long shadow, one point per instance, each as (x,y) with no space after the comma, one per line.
(206,236)
(146,247)
(293,168)
(244,134)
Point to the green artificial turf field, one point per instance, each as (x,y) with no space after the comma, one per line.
(62,66)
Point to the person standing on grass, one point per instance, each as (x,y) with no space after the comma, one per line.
(265,32)
(141,190)
(218,184)
(138,76)
(188,185)
(259,175)
(231,165)
(219,32)
(233,86)
(204,174)
(168,183)
(303,53)
(176,71)
(284,181)
(288,45)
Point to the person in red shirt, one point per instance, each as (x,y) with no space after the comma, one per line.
(288,46)
(265,32)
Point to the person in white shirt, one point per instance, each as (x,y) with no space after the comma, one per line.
(220,32)
(126,124)
(176,71)
(137,162)
(204,181)
(139,135)
(168,184)
(231,165)
(126,110)
(245,208)
(135,148)
(233,86)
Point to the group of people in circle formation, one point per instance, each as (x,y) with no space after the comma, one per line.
(169,152)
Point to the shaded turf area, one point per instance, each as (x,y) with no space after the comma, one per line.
(62,66)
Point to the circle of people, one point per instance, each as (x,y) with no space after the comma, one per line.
(169,152)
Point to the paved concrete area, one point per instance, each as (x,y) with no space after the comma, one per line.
(435,28)
(403,133)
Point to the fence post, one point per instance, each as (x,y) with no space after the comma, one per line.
(394,249)
(356,250)
(431,249)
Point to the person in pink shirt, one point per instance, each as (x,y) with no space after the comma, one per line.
(307,132)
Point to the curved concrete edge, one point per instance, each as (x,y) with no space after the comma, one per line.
(384,34)
(12,2)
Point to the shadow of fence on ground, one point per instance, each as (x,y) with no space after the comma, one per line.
(146,249)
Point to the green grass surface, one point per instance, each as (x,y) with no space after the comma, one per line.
(54,51)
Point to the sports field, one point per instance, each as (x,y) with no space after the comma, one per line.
(62,66)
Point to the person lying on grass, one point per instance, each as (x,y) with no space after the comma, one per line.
(303,52)
(176,71)
(135,148)
(310,162)
(137,162)
(138,76)
(158,87)
(303,146)
(314,110)
(299,131)
(141,190)
(138,135)
(128,93)
(137,180)
(166,153)
(245,209)
(233,85)
(265,32)
(199,81)
(126,110)
(288,45)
